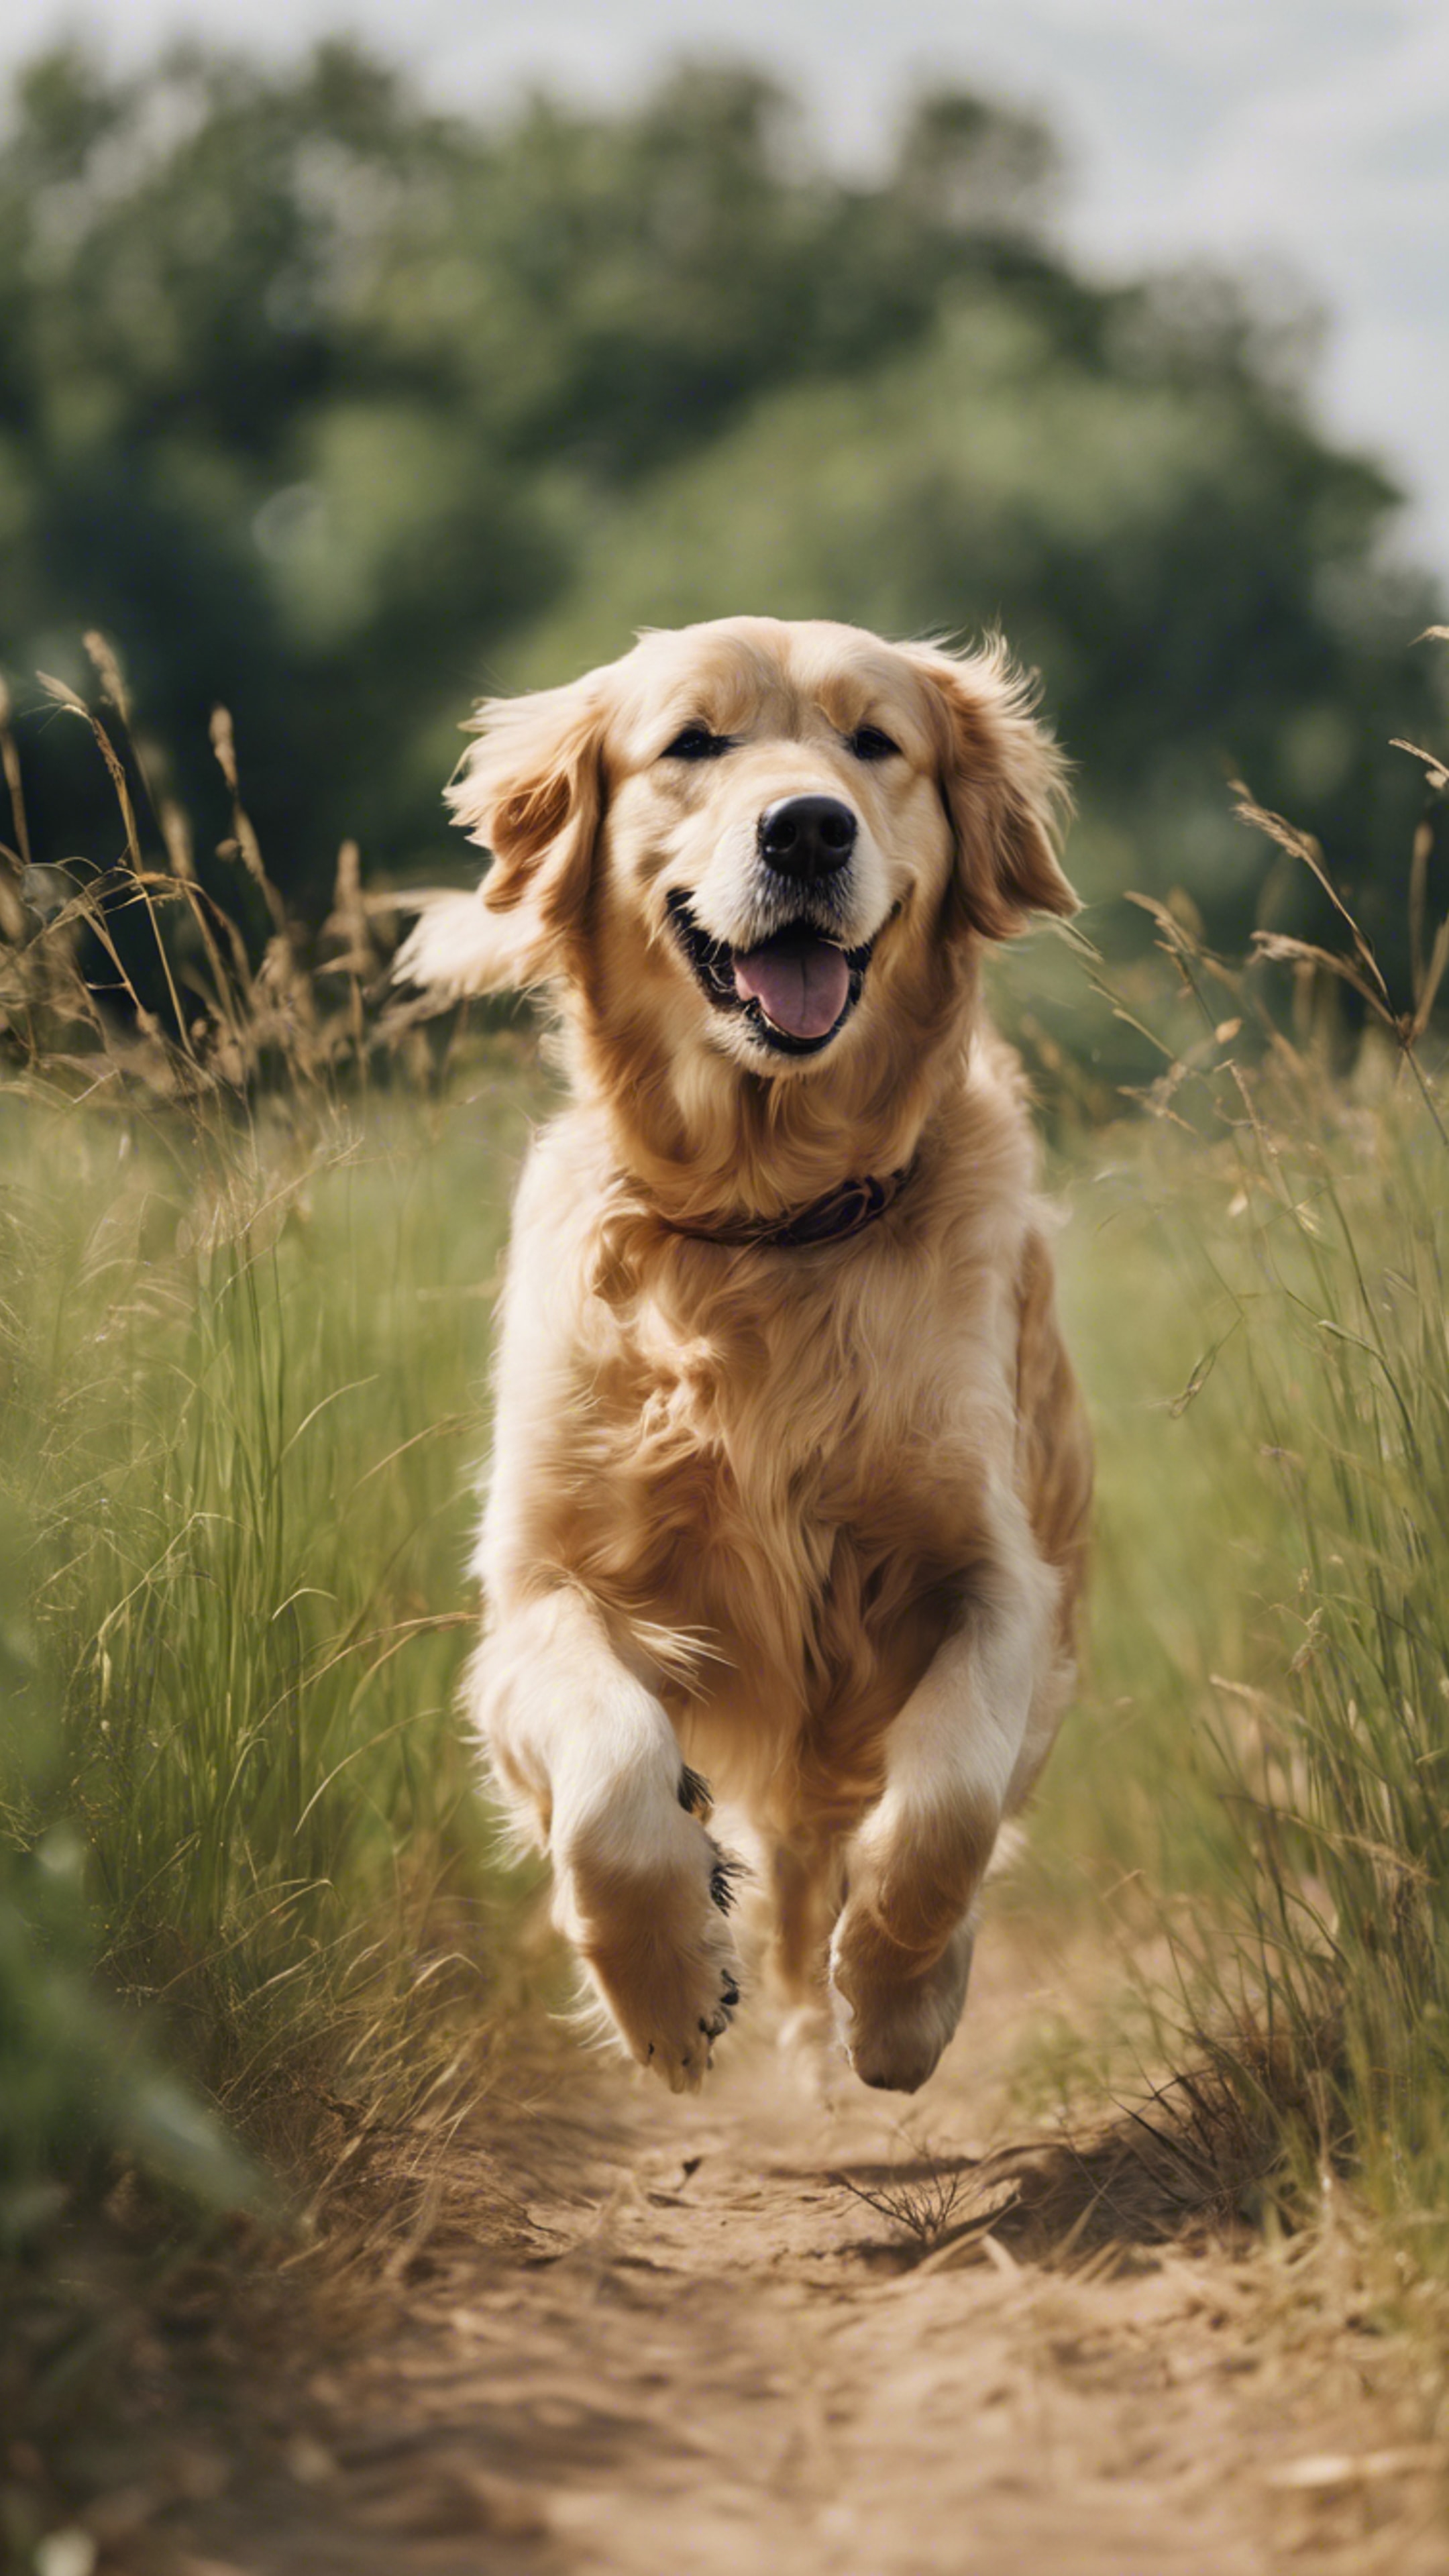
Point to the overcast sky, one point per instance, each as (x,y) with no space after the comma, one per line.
(1307,133)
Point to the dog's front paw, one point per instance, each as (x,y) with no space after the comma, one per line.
(657,1944)
(893,2018)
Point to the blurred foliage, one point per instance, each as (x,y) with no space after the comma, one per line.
(78,2082)
(1255,1290)
(243,1294)
(247,1250)
(1259,1311)
(237,1418)
(338,409)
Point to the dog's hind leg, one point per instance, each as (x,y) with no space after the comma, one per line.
(805,1883)
(585,1757)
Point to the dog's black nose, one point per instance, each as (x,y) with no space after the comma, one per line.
(807,836)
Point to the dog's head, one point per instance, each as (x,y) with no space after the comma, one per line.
(754,844)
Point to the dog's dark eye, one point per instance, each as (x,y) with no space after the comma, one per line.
(698,743)
(869,743)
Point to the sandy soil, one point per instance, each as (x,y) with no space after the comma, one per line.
(623,2334)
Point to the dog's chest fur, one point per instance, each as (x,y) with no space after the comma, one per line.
(768,1469)
(812,1539)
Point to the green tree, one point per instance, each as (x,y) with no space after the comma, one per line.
(338,409)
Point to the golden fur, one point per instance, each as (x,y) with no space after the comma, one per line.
(808,1520)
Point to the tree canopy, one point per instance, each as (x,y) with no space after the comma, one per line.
(338,410)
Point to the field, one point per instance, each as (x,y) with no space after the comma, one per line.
(251,1906)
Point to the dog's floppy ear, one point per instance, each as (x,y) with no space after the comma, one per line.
(529,790)
(1004,786)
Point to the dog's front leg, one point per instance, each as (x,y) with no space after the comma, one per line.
(901,1952)
(585,1756)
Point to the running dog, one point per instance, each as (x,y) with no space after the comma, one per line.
(791,1478)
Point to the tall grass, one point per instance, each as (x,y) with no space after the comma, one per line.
(1334,1743)
(245,1292)
(241,1435)
(1257,1287)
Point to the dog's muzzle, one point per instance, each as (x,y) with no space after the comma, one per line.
(795,989)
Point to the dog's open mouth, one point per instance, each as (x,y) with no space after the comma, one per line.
(795,990)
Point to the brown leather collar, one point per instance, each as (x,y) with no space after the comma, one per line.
(843,1211)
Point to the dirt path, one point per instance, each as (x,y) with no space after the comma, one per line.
(655,2336)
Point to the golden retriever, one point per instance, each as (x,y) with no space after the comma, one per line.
(791,1479)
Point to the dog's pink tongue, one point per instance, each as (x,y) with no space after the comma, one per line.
(800,984)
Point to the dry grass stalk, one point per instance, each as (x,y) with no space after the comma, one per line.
(307,1011)
(920,2199)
